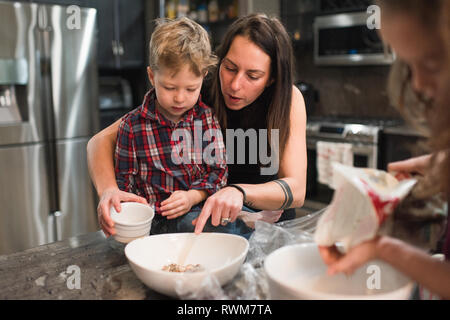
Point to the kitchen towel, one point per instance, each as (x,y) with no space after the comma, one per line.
(329,152)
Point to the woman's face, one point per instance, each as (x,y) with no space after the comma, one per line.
(422,49)
(244,73)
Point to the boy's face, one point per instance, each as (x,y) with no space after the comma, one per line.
(175,93)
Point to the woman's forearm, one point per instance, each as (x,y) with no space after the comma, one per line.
(100,157)
(271,196)
(416,264)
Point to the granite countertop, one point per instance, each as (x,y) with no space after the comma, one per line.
(51,272)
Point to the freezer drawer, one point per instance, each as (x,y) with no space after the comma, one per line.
(24,204)
(77,197)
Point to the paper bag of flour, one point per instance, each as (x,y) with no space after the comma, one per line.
(362,201)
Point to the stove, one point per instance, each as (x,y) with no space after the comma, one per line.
(362,134)
(348,129)
(379,122)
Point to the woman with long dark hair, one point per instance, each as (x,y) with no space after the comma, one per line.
(252,93)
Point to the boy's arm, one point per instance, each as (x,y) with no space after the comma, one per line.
(125,158)
(214,167)
(213,177)
(197,196)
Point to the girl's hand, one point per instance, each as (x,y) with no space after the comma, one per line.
(176,205)
(113,197)
(353,259)
(414,165)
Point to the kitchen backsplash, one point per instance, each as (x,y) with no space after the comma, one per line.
(345,91)
(358,92)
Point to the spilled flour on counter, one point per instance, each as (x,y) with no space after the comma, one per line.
(41,281)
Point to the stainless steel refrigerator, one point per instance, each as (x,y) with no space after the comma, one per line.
(48,112)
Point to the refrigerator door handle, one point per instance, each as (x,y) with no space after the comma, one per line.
(121,50)
(58,217)
(43,19)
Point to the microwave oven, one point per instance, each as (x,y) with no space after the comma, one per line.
(345,40)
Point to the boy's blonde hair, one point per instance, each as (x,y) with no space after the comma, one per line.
(175,43)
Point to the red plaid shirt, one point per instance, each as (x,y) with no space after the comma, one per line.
(145,150)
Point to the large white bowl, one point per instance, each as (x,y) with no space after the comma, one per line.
(132,222)
(220,254)
(298,272)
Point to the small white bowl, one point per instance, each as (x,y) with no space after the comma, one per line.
(298,272)
(132,222)
(220,254)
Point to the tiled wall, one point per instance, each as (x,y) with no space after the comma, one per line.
(345,91)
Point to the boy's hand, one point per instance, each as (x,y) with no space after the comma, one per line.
(113,197)
(176,205)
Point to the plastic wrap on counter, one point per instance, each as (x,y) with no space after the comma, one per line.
(251,283)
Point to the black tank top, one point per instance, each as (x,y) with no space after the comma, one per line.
(253,116)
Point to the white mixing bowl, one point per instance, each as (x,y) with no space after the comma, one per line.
(220,254)
(298,272)
(132,222)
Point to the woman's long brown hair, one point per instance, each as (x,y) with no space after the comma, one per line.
(430,116)
(441,121)
(269,35)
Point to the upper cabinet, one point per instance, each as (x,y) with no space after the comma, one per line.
(298,18)
(121,33)
(338,6)
(217,15)
(131,32)
(214,15)
(81,3)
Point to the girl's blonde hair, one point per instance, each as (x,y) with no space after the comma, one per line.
(175,43)
(431,117)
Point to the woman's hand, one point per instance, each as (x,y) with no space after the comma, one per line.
(224,204)
(250,218)
(113,197)
(176,205)
(353,259)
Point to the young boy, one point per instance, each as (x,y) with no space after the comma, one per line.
(150,162)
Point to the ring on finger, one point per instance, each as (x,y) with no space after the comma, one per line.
(224,221)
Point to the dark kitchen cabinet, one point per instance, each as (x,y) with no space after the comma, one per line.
(80,3)
(121,33)
(132,32)
(298,18)
(339,6)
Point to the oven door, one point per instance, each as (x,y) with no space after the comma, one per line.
(364,156)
